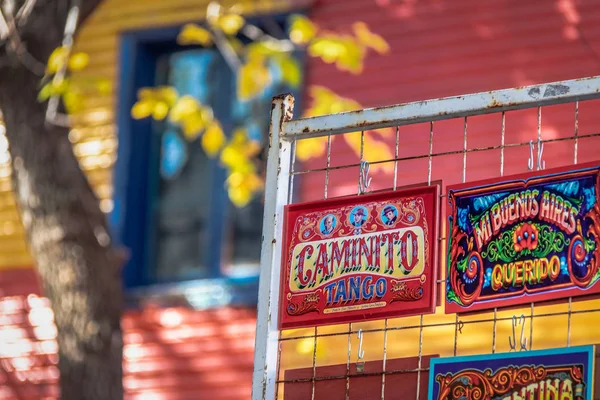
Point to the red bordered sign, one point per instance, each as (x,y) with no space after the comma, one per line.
(359,258)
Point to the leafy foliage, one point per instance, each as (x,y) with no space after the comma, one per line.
(374,147)
(55,84)
(259,55)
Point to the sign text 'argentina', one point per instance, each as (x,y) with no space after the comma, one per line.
(359,258)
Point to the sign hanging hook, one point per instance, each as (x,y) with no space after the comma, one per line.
(512,341)
(541,164)
(530,161)
(364,181)
(360,364)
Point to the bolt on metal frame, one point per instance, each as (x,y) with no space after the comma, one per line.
(283,136)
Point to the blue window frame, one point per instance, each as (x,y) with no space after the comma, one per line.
(170,206)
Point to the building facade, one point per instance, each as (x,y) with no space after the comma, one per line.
(191,282)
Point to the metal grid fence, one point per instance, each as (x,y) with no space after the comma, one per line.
(437,333)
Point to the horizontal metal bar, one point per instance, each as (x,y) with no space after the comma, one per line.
(355,375)
(444,108)
(447,153)
(439,324)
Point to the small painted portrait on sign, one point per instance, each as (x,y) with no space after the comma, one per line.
(389,215)
(358,217)
(328,224)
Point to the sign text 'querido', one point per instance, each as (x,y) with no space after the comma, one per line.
(527,238)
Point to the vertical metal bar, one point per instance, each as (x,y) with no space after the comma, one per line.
(455,334)
(276,196)
(576,144)
(385,327)
(314,361)
(430,152)
(396,154)
(502,144)
(278,364)
(569,323)
(494,333)
(539,124)
(292,170)
(464,172)
(362,148)
(420,358)
(539,141)
(348,361)
(531,329)
(328,165)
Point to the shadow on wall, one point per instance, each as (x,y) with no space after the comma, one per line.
(169,353)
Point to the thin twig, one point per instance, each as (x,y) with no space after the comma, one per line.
(15,44)
(25,11)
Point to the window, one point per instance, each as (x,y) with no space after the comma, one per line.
(171,207)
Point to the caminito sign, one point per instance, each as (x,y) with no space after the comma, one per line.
(557,374)
(359,258)
(526,238)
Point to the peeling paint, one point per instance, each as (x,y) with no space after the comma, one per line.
(556,90)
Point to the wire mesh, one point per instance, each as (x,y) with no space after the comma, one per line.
(484,332)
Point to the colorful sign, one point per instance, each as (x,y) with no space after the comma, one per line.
(561,374)
(523,239)
(359,258)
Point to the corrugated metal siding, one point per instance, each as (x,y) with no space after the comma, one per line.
(169,353)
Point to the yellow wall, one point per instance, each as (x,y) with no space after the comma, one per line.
(94,139)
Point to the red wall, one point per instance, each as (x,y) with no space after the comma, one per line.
(169,354)
(446,47)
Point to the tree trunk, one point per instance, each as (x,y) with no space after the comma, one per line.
(68,236)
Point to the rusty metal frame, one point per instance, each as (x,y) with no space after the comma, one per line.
(283,135)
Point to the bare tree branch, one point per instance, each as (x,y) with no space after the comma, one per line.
(16,46)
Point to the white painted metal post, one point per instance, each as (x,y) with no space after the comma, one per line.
(276,197)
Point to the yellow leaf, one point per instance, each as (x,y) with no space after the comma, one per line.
(373,150)
(142,109)
(327,102)
(78,61)
(185,106)
(193,126)
(168,94)
(213,139)
(240,196)
(290,69)
(259,50)
(146,93)
(194,34)
(57,60)
(160,111)
(352,58)
(230,24)
(345,52)
(311,148)
(301,30)
(253,78)
(370,39)
(73,102)
(45,92)
(242,187)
